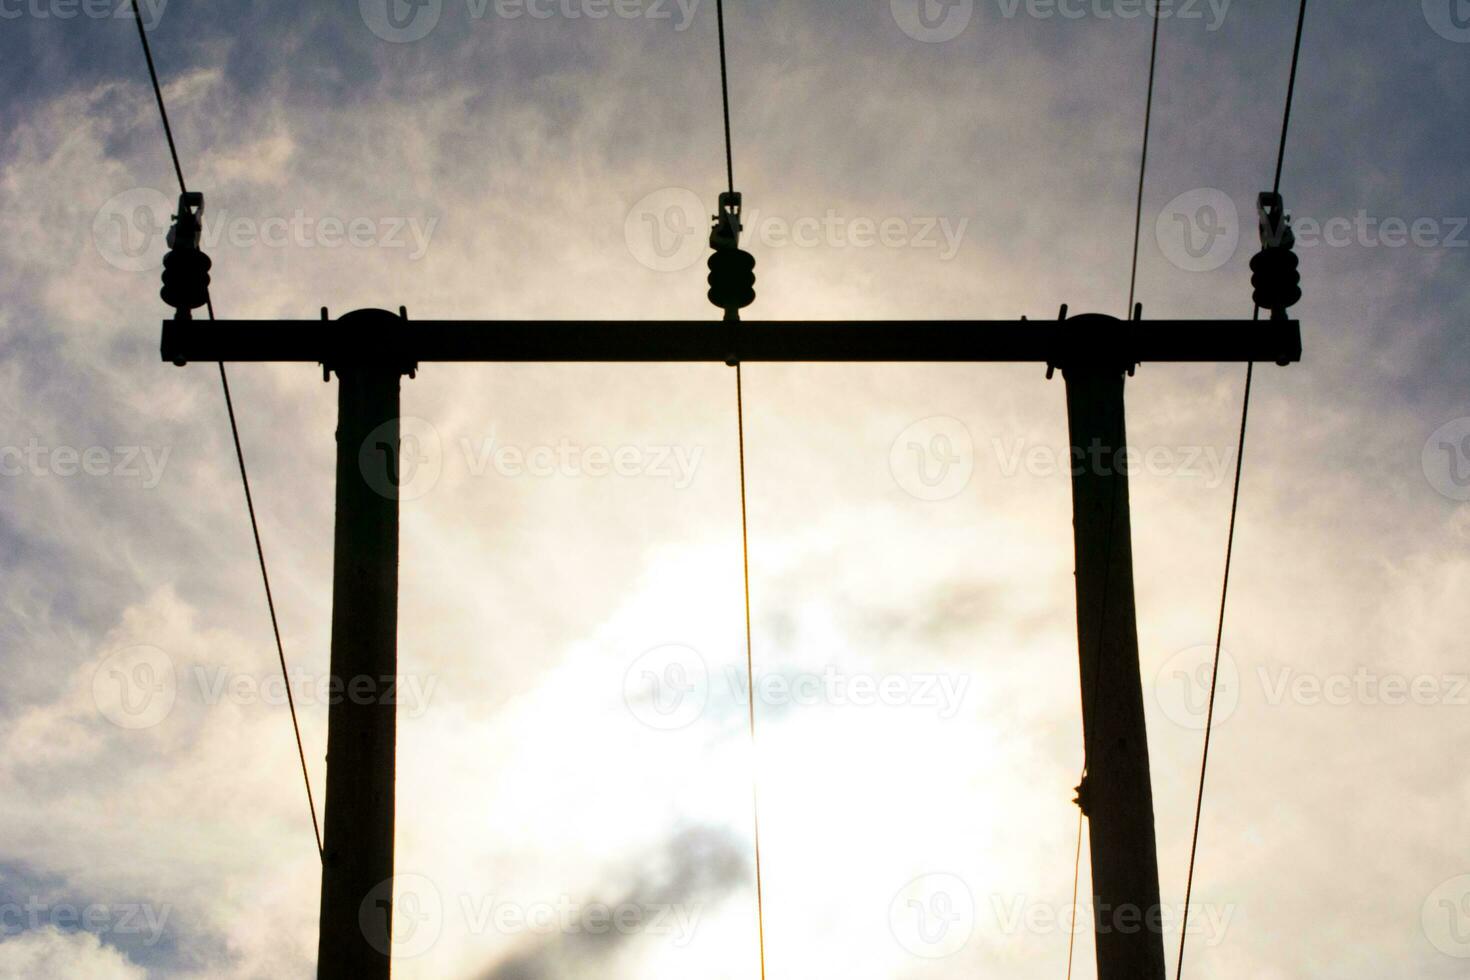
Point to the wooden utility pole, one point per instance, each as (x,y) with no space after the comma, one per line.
(370,350)
(1116,794)
(357,862)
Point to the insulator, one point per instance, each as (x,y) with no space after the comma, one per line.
(1275,278)
(185,267)
(732,279)
(186,279)
(1274,274)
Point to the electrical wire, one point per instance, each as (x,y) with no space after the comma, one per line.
(733,315)
(1199,803)
(1076,878)
(1148,118)
(750,668)
(239,450)
(725,94)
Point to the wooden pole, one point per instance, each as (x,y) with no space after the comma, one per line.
(357,866)
(1116,793)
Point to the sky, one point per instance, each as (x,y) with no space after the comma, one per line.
(571,555)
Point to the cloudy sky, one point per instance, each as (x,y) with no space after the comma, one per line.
(572,533)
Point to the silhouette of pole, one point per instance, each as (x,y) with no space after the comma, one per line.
(357,865)
(1116,793)
(784,341)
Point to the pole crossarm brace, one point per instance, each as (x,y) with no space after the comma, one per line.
(380,338)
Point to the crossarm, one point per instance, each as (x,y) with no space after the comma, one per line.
(383,337)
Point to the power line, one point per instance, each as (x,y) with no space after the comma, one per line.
(1296,57)
(1230,534)
(1076,878)
(734,315)
(168,130)
(239,450)
(1148,118)
(750,669)
(725,94)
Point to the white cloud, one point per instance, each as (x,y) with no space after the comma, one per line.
(53,953)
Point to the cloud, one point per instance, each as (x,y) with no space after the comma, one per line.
(53,953)
(698,869)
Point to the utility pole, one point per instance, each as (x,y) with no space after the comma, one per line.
(1116,793)
(372,349)
(357,862)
